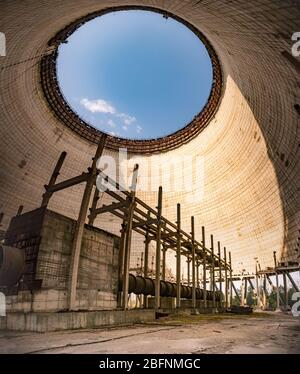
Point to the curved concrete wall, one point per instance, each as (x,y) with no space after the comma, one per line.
(248,194)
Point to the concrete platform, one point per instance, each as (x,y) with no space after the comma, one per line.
(45,322)
(186,334)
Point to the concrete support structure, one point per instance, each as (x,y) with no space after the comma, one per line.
(226,279)
(254,217)
(231,280)
(220,271)
(77,239)
(188,265)
(213,271)
(158,249)
(128,236)
(193,263)
(285,290)
(178,254)
(277,283)
(198,263)
(204,267)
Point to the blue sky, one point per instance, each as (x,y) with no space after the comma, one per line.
(135,74)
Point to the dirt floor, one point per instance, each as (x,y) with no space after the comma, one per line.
(258,333)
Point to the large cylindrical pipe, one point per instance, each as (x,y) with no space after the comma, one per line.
(12,264)
(146,286)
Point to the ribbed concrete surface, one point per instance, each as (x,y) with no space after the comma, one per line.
(250,149)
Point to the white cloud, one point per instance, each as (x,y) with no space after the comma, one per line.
(128,120)
(112,133)
(103,106)
(98,106)
(111,123)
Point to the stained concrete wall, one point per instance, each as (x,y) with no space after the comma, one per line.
(98,265)
(42,322)
(250,149)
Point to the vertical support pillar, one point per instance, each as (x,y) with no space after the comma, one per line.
(188,261)
(264,292)
(220,273)
(47,195)
(164,252)
(258,299)
(204,268)
(193,264)
(213,270)
(286,300)
(147,241)
(197,273)
(77,240)
(226,279)
(291,279)
(178,257)
(246,291)
(129,219)
(121,261)
(230,275)
(92,216)
(242,291)
(158,250)
(146,261)
(142,263)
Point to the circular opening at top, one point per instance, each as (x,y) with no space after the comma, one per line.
(135,74)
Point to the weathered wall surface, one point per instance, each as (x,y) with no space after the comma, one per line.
(98,265)
(249,197)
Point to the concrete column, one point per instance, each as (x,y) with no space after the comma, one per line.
(245,291)
(164,251)
(188,261)
(127,250)
(264,292)
(296,288)
(147,242)
(77,239)
(204,268)
(286,300)
(277,282)
(220,272)
(230,277)
(213,271)
(197,273)
(178,256)
(121,260)
(158,250)
(193,264)
(258,299)
(146,264)
(47,195)
(242,292)
(92,216)
(226,279)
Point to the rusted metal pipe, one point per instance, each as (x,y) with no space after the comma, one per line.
(146,286)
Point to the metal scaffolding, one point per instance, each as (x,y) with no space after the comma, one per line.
(138,216)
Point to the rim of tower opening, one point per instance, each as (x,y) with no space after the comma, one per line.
(62,110)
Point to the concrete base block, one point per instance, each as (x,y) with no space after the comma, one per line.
(43,322)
